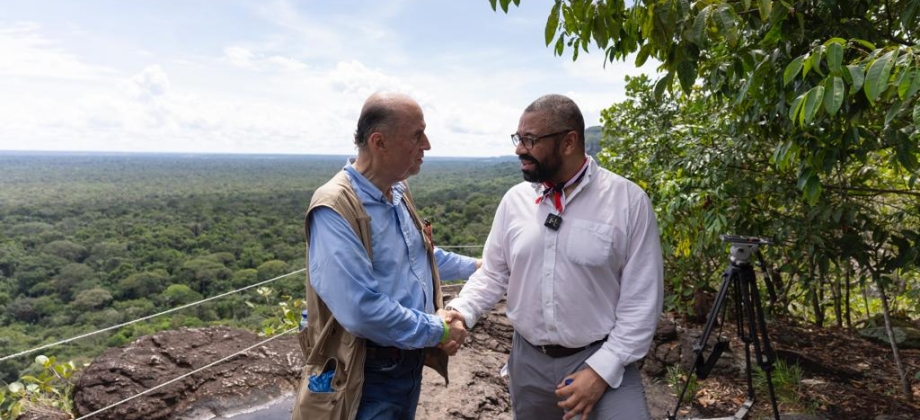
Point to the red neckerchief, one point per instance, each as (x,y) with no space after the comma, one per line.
(559,190)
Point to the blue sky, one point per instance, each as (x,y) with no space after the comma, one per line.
(278,76)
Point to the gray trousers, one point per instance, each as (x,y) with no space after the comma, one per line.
(534,376)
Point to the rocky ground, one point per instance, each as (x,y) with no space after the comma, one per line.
(477,390)
(844,376)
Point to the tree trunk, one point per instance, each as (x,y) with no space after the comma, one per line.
(838,300)
(905,381)
(846,308)
(816,296)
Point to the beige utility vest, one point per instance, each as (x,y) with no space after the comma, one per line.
(324,341)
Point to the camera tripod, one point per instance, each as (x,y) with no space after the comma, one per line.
(740,281)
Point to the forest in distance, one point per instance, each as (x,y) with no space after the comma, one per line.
(88,240)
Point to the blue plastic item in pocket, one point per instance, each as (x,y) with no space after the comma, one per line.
(321,382)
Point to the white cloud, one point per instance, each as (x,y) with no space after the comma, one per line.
(238,56)
(26,53)
(287,64)
(149,84)
(286,77)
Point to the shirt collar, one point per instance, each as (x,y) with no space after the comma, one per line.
(365,187)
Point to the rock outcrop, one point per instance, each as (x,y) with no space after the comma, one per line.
(255,376)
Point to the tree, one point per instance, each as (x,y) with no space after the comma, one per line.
(10,254)
(205,274)
(142,285)
(33,310)
(29,233)
(35,269)
(244,277)
(253,255)
(105,255)
(23,310)
(134,308)
(179,294)
(271,269)
(70,277)
(67,250)
(827,90)
(92,299)
(289,286)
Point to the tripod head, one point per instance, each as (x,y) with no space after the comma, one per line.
(742,247)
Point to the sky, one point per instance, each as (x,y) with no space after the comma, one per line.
(279,76)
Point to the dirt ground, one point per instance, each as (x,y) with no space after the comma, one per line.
(477,392)
(843,377)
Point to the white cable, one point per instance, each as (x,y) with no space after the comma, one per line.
(186,375)
(460,246)
(22,353)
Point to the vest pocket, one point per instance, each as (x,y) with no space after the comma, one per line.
(325,404)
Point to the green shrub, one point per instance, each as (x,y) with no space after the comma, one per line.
(50,387)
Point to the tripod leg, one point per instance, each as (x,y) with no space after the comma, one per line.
(699,365)
(758,327)
(746,332)
(702,367)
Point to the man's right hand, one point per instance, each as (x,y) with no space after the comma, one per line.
(456,335)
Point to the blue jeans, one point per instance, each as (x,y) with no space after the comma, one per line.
(392,387)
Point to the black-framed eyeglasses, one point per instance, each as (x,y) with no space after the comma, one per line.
(529,141)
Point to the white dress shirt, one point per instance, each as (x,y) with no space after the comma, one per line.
(600,275)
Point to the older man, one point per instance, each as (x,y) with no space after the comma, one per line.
(373,284)
(576,250)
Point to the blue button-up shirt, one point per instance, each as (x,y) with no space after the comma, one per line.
(388,300)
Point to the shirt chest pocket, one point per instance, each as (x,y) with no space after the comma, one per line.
(590,243)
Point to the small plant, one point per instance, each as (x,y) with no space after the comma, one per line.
(51,387)
(676,378)
(285,317)
(11,397)
(787,382)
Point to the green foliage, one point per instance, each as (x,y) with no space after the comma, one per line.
(139,285)
(460,199)
(705,182)
(73,278)
(790,120)
(677,379)
(92,299)
(285,316)
(787,383)
(180,294)
(51,386)
(91,241)
(244,277)
(66,249)
(272,269)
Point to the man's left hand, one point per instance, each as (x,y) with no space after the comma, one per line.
(586,389)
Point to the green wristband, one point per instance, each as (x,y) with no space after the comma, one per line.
(446,333)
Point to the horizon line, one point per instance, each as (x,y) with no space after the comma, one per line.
(109,152)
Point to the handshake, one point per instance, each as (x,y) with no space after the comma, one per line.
(457,332)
